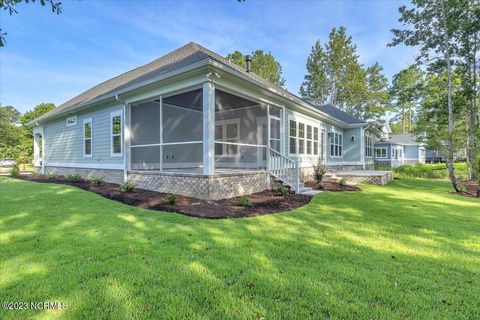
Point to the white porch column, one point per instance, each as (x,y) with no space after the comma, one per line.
(208,128)
(126,141)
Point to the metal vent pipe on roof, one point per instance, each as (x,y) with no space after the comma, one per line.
(248,60)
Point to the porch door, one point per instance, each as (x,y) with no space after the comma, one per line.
(262,139)
(275,132)
(268,134)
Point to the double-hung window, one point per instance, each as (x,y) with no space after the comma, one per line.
(315,141)
(293,137)
(368,146)
(116,134)
(227,131)
(301,138)
(336,144)
(309,139)
(381,152)
(87,137)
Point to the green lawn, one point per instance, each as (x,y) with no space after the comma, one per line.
(406,250)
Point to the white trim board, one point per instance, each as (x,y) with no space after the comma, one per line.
(113,166)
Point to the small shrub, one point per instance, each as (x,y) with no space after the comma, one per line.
(127,187)
(74,177)
(281,191)
(170,199)
(15,171)
(51,176)
(97,180)
(36,174)
(319,170)
(343,182)
(244,201)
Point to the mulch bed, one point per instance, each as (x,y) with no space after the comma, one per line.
(332,186)
(471,188)
(261,203)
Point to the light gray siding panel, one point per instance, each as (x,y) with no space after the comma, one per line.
(65,144)
(411,152)
(352,150)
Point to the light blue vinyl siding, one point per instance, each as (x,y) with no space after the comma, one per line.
(65,144)
(411,152)
(352,150)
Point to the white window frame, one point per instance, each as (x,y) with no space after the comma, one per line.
(303,144)
(307,140)
(85,121)
(294,137)
(113,115)
(315,143)
(338,144)
(381,148)
(224,124)
(301,119)
(369,147)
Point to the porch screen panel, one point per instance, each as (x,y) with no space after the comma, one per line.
(241,132)
(145,136)
(182,135)
(145,158)
(145,123)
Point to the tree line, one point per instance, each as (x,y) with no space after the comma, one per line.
(436,98)
(16,138)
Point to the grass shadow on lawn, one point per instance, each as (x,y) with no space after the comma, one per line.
(357,255)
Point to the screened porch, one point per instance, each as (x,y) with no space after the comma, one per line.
(172,133)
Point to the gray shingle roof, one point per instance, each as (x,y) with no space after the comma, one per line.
(339,114)
(182,57)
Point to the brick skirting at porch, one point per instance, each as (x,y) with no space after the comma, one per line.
(373,177)
(215,187)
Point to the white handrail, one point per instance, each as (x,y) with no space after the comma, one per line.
(284,168)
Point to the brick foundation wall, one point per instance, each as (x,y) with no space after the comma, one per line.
(109,175)
(198,186)
(380,179)
(202,187)
(307,172)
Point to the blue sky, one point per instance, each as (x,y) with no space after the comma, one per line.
(51,58)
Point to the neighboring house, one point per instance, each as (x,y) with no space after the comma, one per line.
(192,123)
(434,156)
(394,150)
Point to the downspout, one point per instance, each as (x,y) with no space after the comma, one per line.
(125,137)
